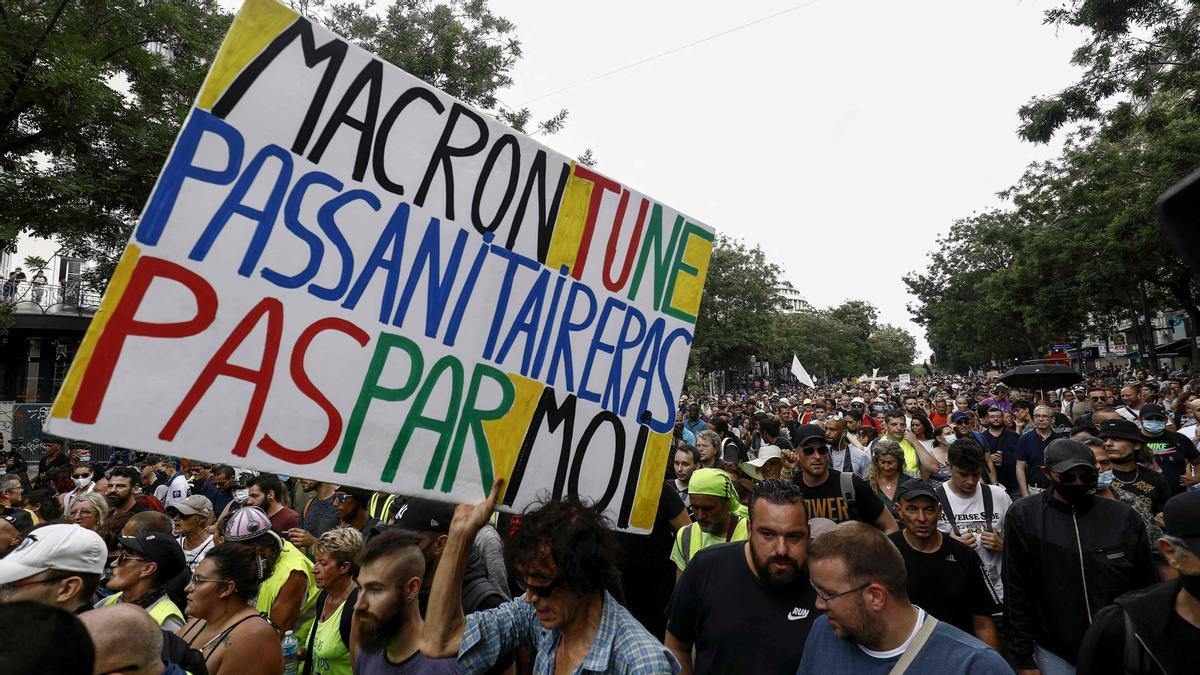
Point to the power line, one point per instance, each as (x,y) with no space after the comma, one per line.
(671,51)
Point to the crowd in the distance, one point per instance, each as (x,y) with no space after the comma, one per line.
(947,524)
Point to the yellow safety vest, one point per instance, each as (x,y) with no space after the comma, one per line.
(290,559)
(379,508)
(160,611)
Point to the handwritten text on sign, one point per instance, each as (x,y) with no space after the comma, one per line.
(344,273)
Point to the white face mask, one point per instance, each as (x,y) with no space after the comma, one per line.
(949,438)
(82,482)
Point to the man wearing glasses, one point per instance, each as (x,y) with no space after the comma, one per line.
(1164,618)
(1067,554)
(1031,448)
(140,572)
(56,565)
(838,496)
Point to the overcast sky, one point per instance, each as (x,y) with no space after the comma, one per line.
(842,137)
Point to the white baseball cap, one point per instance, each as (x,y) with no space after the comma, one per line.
(67,548)
(857,399)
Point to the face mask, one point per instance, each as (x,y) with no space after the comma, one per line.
(82,482)
(1191,584)
(162,475)
(1154,426)
(949,439)
(85,459)
(1104,480)
(1076,494)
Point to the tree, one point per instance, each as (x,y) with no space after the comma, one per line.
(894,348)
(738,307)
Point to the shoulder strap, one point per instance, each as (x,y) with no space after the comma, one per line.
(846,479)
(944,500)
(306,668)
(987,506)
(304,511)
(915,646)
(685,543)
(345,624)
(847,466)
(737,520)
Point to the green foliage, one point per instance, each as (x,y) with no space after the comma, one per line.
(737,309)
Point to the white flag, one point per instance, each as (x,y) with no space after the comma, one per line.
(800,373)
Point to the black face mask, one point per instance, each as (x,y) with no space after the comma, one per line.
(1191,584)
(1076,494)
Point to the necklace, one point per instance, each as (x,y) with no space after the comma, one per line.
(1118,481)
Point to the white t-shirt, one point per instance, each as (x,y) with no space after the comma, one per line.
(194,556)
(968,514)
(176,491)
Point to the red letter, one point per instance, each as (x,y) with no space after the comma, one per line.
(305,385)
(122,325)
(220,365)
(600,184)
(617,284)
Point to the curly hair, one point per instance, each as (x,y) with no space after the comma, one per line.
(575,537)
(342,544)
(883,448)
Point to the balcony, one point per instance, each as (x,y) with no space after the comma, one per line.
(71,299)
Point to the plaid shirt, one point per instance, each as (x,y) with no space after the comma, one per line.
(621,644)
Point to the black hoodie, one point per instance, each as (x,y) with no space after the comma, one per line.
(1046,543)
(1150,611)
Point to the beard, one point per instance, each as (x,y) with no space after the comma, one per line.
(776,580)
(374,632)
(865,630)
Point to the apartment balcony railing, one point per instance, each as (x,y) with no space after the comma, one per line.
(31,298)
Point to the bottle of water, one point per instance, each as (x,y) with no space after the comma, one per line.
(291,654)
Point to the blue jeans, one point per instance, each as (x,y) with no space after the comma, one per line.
(1052,664)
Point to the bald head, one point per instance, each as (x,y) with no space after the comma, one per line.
(148,522)
(125,636)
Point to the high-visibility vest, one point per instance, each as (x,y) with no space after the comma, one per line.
(380,505)
(692,536)
(160,611)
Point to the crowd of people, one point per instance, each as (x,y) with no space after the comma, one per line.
(945,524)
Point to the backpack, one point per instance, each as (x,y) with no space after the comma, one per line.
(846,482)
(176,650)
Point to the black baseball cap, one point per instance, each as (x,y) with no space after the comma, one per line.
(1064,454)
(1120,429)
(19,519)
(158,548)
(912,489)
(807,432)
(424,515)
(1153,410)
(1181,516)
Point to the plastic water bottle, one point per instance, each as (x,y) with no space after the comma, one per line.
(291,654)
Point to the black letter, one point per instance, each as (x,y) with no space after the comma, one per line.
(444,151)
(371,75)
(507,140)
(379,157)
(545,222)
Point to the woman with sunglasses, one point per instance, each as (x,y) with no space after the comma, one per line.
(230,633)
(190,519)
(885,475)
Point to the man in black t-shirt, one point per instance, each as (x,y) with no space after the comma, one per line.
(1174,452)
(1001,446)
(746,607)
(826,493)
(1126,445)
(945,576)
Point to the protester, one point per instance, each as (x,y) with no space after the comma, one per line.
(122,497)
(53,459)
(709,443)
(884,475)
(286,589)
(34,636)
(224,478)
(174,487)
(831,494)
(718,519)
(563,555)
(57,565)
(82,477)
(767,466)
(1154,630)
(1001,446)
(1030,449)
(1049,602)
(318,514)
(973,512)
(141,570)
(869,625)
(845,455)
(266,493)
(1174,453)
(945,576)
(1127,452)
(391,632)
(89,510)
(350,503)
(11,492)
(190,519)
(230,633)
(762,582)
(14,525)
(127,639)
(686,462)
(330,649)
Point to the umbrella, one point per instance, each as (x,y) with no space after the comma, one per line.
(1044,376)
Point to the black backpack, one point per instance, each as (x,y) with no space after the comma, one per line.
(176,650)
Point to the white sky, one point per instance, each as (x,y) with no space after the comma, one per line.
(843,137)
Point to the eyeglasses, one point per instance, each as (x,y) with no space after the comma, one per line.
(6,590)
(123,556)
(821,450)
(197,580)
(544,591)
(830,598)
(340,497)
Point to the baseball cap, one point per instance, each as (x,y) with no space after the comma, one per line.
(424,515)
(784,401)
(158,548)
(68,548)
(916,488)
(19,519)
(195,504)
(1120,429)
(1181,515)
(858,399)
(806,432)
(1153,410)
(1064,454)
(959,416)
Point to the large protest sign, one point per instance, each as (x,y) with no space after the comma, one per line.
(345,274)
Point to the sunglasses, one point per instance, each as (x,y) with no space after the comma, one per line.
(340,497)
(544,591)
(821,450)
(123,556)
